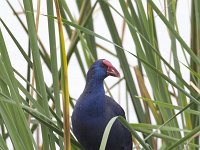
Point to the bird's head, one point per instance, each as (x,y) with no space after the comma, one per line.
(102,68)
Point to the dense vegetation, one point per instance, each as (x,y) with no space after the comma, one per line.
(165,104)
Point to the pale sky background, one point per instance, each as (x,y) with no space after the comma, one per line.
(76,80)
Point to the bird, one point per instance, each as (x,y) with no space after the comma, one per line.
(93,110)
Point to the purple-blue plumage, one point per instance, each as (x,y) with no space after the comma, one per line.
(94,110)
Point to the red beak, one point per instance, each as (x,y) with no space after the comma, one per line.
(111,70)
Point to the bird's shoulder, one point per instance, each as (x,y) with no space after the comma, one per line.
(114,106)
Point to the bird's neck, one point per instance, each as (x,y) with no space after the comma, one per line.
(95,102)
(94,86)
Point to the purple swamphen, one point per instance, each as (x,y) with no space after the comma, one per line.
(94,110)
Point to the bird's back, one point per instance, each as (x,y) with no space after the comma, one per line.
(89,127)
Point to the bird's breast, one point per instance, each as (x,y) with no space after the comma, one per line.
(90,105)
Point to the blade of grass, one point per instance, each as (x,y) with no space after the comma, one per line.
(69,32)
(157,83)
(169,105)
(150,126)
(19,123)
(174,116)
(145,94)
(123,60)
(42,51)
(181,97)
(40,117)
(171,29)
(187,137)
(3,145)
(144,46)
(65,88)
(195,34)
(37,67)
(54,66)
(17,44)
(125,123)
(75,37)
(164,137)
(90,39)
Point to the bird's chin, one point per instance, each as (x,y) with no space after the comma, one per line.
(114,75)
(111,71)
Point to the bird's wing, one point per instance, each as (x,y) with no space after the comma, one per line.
(117,110)
(115,107)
